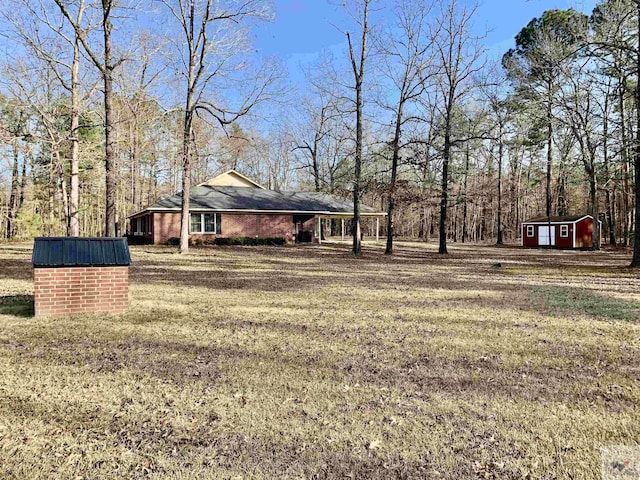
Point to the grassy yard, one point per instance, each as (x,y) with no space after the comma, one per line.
(307,363)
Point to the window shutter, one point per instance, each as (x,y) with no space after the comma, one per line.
(218,223)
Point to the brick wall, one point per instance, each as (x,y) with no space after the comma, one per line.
(64,291)
(166,225)
(252,225)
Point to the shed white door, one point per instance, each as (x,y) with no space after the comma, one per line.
(545,237)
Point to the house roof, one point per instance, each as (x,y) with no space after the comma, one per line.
(557,219)
(256,200)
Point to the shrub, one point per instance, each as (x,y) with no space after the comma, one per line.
(246,241)
(138,240)
(251,241)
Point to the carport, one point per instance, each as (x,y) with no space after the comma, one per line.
(346,216)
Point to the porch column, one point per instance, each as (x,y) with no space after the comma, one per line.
(319,229)
(342,220)
(377,229)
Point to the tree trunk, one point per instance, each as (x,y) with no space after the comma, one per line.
(110,154)
(74,194)
(314,158)
(64,194)
(465,205)
(444,198)
(13,198)
(185,218)
(499,240)
(549,155)
(358,72)
(593,196)
(608,180)
(635,262)
(23,182)
(394,173)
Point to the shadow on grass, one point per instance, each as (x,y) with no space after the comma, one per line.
(17,305)
(565,299)
(20,269)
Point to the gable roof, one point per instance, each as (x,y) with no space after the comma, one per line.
(558,219)
(231,178)
(257,200)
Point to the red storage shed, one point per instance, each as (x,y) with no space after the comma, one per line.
(570,231)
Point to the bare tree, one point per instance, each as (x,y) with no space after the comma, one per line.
(580,112)
(317,116)
(459,56)
(13,130)
(212,49)
(66,68)
(408,54)
(106,65)
(499,106)
(358,63)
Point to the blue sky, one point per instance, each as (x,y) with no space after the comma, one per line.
(304,28)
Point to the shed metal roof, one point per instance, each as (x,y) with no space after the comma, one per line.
(80,252)
(223,198)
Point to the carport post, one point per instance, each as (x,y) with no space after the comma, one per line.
(377,229)
(319,229)
(342,219)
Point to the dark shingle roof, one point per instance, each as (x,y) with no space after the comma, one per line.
(207,197)
(74,251)
(556,219)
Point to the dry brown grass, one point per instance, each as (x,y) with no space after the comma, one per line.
(307,363)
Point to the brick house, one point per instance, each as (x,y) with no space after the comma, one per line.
(232,205)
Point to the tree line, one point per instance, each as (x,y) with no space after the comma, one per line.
(102,112)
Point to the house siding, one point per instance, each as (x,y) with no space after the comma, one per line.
(584,232)
(529,241)
(564,242)
(560,242)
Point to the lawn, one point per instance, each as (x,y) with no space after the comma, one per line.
(304,362)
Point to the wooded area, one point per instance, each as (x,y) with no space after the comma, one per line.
(102,112)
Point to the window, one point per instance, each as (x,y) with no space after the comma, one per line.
(564,231)
(196,223)
(141,225)
(529,230)
(206,223)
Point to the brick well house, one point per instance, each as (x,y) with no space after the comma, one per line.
(80,275)
(232,205)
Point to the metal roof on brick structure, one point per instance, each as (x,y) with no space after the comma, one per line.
(80,252)
(557,219)
(241,199)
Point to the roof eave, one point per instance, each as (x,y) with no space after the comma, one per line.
(287,212)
